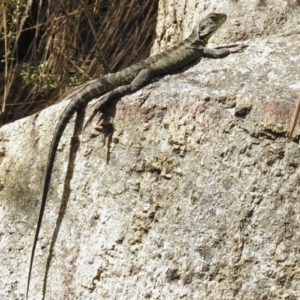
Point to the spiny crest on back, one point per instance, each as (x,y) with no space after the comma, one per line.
(209,25)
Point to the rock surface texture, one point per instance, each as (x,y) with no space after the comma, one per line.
(192,194)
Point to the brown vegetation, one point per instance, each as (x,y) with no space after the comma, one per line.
(46,47)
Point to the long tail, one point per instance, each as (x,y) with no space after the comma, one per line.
(82,97)
(66,116)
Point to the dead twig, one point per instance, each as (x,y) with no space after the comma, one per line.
(295,118)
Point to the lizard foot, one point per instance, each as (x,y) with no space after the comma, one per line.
(91,117)
(237,48)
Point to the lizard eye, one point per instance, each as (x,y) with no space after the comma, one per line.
(213,17)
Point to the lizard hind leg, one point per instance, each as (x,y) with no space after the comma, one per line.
(114,94)
(140,80)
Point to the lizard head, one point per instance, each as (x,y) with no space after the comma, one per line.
(209,25)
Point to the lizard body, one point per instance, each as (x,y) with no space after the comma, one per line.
(129,80)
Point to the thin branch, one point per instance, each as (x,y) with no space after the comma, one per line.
(295,118)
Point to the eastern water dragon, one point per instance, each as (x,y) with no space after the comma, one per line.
(130,80)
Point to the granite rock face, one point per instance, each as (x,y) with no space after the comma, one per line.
(191,191)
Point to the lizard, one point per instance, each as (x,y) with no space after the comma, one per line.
(129,80)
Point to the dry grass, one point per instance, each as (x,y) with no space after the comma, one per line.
(46,47)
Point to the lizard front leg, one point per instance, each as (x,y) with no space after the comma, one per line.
(218,52)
